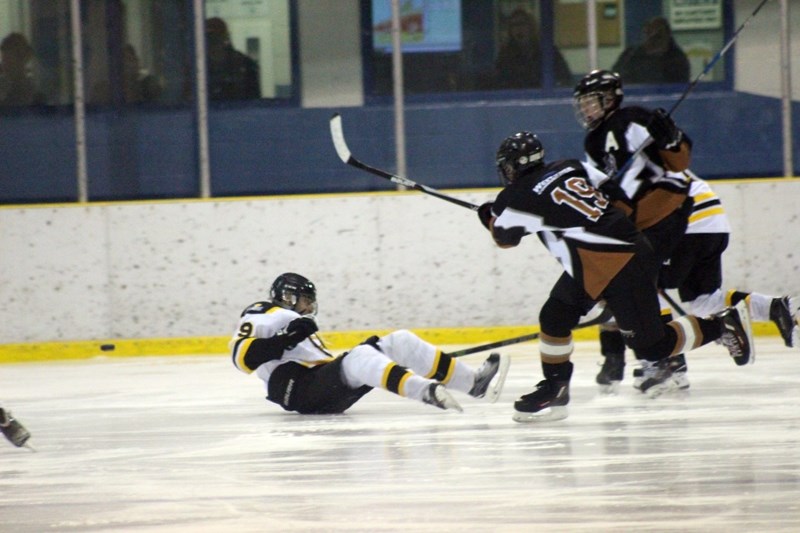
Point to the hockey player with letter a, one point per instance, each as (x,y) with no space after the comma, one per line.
(604,257)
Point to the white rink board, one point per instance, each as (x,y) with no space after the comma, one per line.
(380,261)
(189,444)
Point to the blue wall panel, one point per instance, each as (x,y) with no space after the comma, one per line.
(264,150)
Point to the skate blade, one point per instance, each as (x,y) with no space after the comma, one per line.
(657,390)
(447,401)
(493,394)
(610,389)
(549,414)
(680,382)
(744,315)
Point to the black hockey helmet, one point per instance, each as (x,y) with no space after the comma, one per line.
(518,153)
(596,95)
(295,292)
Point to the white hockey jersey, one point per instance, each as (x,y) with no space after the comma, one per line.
(707,216)
(264,320)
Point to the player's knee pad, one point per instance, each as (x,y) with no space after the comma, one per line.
(400,339)
(558,318)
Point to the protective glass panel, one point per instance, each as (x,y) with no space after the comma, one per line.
(248,49)
(659,42)
(36,132)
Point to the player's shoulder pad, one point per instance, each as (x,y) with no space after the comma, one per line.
(258,308)
(635,113)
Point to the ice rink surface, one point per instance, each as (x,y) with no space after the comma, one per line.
(189,444)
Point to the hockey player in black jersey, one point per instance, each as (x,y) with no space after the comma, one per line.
(646,154)
(604,257)
(275,340)
(648,157)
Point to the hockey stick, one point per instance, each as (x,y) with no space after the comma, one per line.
(344,154)
(672,303)
(717,57)
(647,142)
(602,316)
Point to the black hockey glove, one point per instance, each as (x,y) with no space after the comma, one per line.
(373,341)
(665,133)
(618,198)
(300,329)
(485,214)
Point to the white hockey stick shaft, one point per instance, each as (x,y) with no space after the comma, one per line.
(337,133)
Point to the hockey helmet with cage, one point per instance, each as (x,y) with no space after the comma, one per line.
(596,95)
(517,153)
(295,292)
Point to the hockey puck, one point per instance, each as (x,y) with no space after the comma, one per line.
(107,347)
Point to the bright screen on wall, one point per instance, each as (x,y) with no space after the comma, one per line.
(426,25)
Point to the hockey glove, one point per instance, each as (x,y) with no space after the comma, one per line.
(485,214)
(373,341)
(618,198)
(665,133)
(300,329)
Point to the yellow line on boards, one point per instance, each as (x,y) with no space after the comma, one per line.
(335,341)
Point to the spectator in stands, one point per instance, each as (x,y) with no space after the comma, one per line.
(134,87)
(519,60)
(658,59)
(17,87)
(232,75)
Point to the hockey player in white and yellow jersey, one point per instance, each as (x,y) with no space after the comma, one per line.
(276,340)
(695,268)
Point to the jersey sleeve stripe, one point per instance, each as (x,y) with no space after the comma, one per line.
(705,214)
(239,352)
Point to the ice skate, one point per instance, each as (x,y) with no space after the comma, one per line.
(677,365)
(638,377)
(656,378)
(12,429)
(737,334)
(611,373)
(438,396)
(486,386)
(782,314)
(548,402)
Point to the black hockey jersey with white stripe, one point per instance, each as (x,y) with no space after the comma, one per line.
(646,181)
(560,203)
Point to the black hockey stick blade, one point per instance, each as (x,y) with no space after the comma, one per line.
(342,150)
(599,317)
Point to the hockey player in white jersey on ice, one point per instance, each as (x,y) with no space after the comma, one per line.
(604,257)
(276,340)
(695,269)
